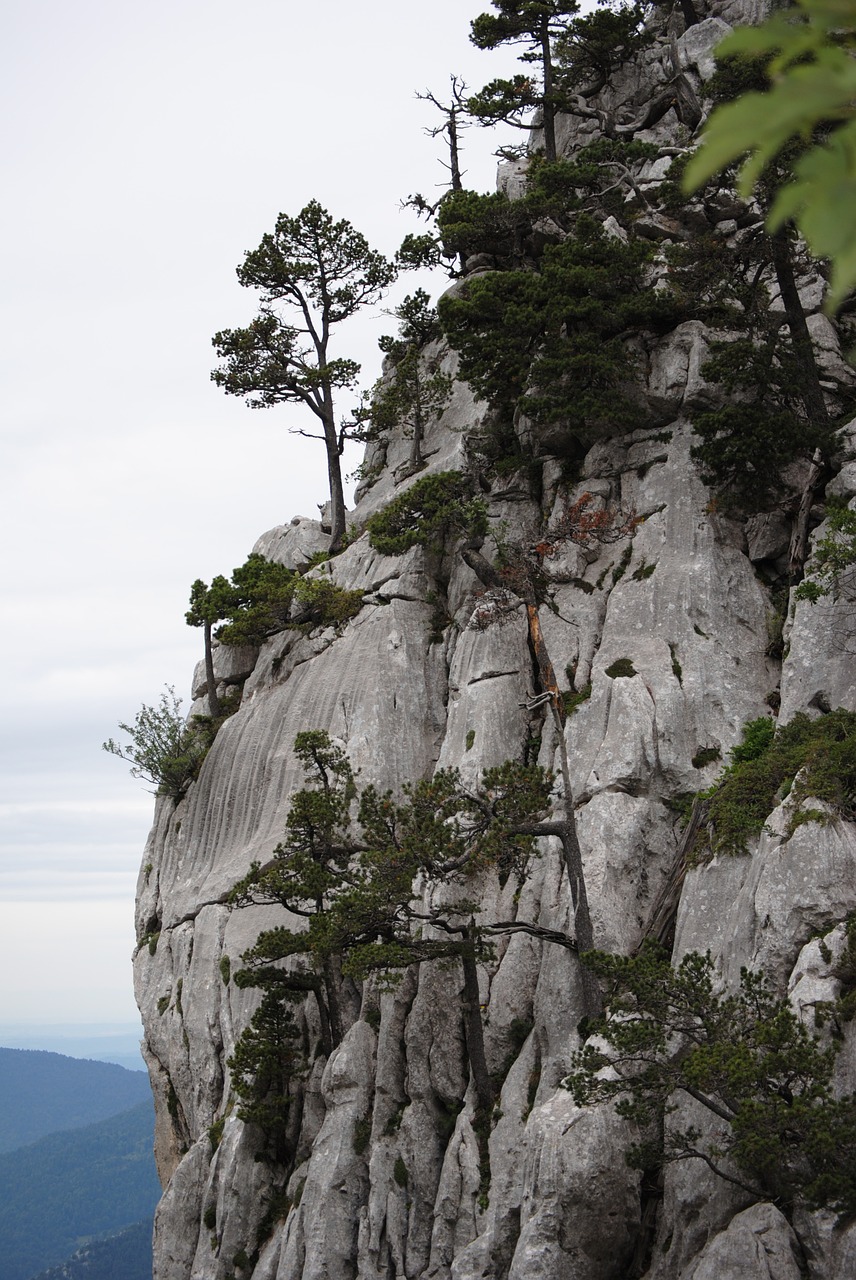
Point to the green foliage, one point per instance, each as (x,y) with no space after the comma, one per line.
(399,1172)
(215,1137)
(433,509)
(470,223)
(622,566)
(417,325)
(811,95)
(506,230)
(745,447)
(758,737)
(256,603)
(677,669)
(321,272)
(445,1122)
(357,895)
(621,669)
(519,1030)
(534,24)
(210,604)
(372,1016)
(163,749)
(350,876)
(745,1057)
(325,604)
(833,557)
(347,868)
(565,54)
(594,45)
(410,395)
(548,343)
(643,572)
(266,1064)
(767,418)
(418,251)
(264,597)
(573,698)
(843,1008)
(705,756)
(225,970)
(362,1134)
(821,751)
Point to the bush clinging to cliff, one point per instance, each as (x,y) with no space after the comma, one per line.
(427,513)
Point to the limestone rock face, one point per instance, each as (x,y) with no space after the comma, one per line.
(665,642)
(758,1242)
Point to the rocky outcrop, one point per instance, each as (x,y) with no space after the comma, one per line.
(670,631)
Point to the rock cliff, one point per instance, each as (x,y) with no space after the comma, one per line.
(387,1179)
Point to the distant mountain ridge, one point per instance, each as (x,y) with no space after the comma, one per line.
(69,1188)
(46,1092)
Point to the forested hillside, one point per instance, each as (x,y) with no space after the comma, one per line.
(52,1091)
(69,1187)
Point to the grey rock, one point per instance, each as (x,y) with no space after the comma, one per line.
(696,46)
(675,377)
(758,1243)
(580,1201)
(416,681)
(768,536)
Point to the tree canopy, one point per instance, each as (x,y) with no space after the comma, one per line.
(534,24)
(549,343)
(349,867)
(163,748)
(746,1058)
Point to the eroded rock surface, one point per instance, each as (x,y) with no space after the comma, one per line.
(664,636)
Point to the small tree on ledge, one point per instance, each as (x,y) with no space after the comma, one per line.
(312,273)
(746,1058)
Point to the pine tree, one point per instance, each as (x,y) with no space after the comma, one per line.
(312,274)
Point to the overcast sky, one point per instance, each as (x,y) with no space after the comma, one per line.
(145,147)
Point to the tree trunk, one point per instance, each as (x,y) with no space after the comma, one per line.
(334,474)
(323,1018)
(567,828)
(210,682)
(546,672)
(454,158)
(416,459)
(337,499)
(689,12)
(568,835)
(811,391)
(548,111)
(661,923)
(473,1029)
(799,535)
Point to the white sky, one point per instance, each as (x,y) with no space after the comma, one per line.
(145,147)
